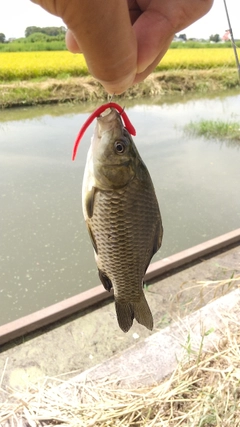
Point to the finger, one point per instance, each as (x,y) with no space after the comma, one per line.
(140,76)
(154,35)
(107,41)
(71,43)
(158,24)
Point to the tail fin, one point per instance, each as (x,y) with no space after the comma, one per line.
(140,310)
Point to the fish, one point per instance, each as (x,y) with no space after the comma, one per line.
(121,212)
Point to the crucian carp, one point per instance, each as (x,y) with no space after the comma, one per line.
(121,212)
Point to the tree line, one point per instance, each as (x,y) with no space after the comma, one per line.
(49,31)
(34,33)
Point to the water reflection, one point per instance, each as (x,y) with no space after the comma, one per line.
(45,254)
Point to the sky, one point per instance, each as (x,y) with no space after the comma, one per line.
(17,15)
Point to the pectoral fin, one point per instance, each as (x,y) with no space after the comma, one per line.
(89,202)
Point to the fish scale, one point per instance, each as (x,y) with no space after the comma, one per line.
(124,242)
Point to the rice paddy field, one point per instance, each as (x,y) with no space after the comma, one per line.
(32,65)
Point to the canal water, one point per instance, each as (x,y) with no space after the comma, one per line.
(45,253)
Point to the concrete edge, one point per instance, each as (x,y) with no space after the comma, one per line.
(185,257)
(51,314)
(86,299)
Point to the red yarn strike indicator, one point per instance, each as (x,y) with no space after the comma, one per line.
(96,113)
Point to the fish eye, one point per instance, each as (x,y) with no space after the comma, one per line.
(120,147)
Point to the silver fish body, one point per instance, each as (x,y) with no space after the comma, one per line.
(122,216)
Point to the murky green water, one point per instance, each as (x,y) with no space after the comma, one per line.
(45,252)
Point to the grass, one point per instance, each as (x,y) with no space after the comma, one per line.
(33,47)
(18,95)
(215,129)
(203,391)
(206,45)
(48,91)
(26,45)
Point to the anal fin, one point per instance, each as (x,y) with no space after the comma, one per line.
(125,315)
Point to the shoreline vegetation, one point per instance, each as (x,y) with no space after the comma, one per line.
(227,131)
(43,77)
(22,93)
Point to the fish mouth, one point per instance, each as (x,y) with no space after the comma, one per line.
(108,122)
(105,113)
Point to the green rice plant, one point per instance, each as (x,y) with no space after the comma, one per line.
(202,45)
(216,129)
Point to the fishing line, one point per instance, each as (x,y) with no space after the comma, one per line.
(232,39)
(110,97)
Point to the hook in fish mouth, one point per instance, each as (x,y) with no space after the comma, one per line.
(96,113)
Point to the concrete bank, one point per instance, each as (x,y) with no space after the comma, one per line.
(150,361)
(88,338)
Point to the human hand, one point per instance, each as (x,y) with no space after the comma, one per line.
(123,40)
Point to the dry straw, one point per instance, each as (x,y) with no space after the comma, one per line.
(203,391)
